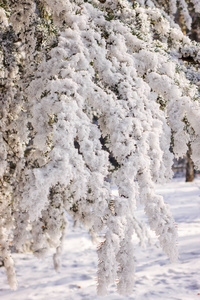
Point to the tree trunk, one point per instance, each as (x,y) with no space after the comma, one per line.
(189,165)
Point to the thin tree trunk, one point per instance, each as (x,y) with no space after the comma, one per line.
(189,165)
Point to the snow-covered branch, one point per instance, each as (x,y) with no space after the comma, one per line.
(85,84)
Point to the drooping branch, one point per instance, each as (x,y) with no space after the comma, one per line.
(62,63)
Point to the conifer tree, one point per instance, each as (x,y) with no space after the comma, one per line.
(83,82)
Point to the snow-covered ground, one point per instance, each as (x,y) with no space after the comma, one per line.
(156,277)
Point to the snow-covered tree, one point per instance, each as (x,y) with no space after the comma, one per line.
(90,91)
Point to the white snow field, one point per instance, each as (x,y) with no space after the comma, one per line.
(156,277)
